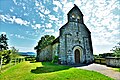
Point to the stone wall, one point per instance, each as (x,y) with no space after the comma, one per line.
(114,62)
(55,50)
(48,53)
(45,54)
(73,35)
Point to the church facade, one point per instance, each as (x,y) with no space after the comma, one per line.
(74,44)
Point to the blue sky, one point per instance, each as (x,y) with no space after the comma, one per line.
(25,21)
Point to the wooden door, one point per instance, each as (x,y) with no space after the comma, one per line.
(77,56)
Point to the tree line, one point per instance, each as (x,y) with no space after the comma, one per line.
(115,52)
(6,54)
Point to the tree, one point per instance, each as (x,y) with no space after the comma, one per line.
(116,50)
(3,42)
(44,41)
(14,54)
(6,56)
(1,60)
(3,46)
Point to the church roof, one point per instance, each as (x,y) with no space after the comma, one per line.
(63,26)
(75,8)
(56,41)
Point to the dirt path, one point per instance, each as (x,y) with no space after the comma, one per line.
(102,69)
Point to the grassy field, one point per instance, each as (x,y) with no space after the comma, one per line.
(48,71)
(116,69)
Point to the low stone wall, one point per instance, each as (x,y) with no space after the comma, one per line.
(114,62)
(100,60)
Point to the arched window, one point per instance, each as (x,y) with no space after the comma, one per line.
(73,15)
(78,17)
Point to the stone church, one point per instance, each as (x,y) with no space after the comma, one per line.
(74,44)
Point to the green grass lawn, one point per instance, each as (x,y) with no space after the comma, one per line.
(48,71)
(116,69)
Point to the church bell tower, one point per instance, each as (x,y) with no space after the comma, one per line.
(75,15)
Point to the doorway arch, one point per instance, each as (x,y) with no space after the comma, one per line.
(77,56)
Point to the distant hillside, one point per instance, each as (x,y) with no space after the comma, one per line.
(27,53)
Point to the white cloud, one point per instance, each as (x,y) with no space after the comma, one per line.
(49,30)
(56,33)
(22,37)
(15,2)
(5,18)
(57,3)
(64,2)
(48,25)
(13,19)
(18,36)
(55,9)
(47,11)
(11,10)
(11,34)
(3,32)
(41,8)
(37,26)
(34,21)
(26,14)
(41,15)
(78,2)
(37,3)
(115,32)
(21,22)
(66,8)
(24,7)
(52,17)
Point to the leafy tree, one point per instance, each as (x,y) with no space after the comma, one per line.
(1,52)
(3,42)
(14,54)
(3,46)
(44,41)
(6,56)
(116,50)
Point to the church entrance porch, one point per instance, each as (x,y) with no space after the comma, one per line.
(77,56)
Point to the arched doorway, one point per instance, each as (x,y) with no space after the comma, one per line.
(77,56)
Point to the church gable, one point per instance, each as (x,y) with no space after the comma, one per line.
(75,40)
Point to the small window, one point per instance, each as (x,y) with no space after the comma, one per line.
(78,17)
(77,33)
(73,15)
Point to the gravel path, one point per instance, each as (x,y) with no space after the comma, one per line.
(102,69)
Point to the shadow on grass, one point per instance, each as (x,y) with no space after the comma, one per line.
(49,67)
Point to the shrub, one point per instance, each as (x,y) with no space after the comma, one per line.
(55,59)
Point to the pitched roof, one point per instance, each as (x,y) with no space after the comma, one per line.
(63,26)
(75,7)
(55,41)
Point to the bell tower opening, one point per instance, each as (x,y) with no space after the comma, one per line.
(75,15)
